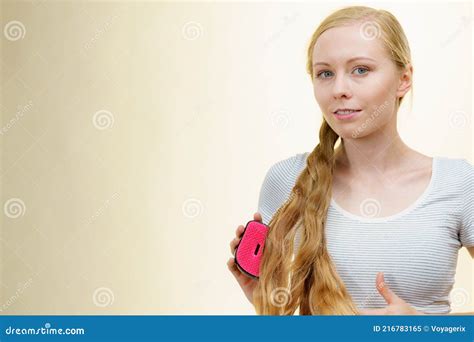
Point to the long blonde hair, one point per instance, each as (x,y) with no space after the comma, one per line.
(308,281)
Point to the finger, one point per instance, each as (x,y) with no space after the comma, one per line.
(257,217)
(373,311)
(241,278)
(233,244)
(389,296)
(239,231)
(231,264)
(233,268)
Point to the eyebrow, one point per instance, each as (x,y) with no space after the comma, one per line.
(348,61)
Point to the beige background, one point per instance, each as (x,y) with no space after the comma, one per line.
(135,137)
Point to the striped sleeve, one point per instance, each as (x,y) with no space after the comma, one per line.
(466,233)
(276,188)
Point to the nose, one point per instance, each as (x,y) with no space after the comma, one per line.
(341,87)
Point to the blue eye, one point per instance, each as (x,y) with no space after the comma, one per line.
(360,68)
(322,72)
(364,71)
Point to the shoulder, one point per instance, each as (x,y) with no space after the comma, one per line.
(278,183)
(455,163)
(455,171)
(288,167)
(455,178)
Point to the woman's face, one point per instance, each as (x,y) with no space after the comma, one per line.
(352,71)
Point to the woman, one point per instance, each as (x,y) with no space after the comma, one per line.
(341,215)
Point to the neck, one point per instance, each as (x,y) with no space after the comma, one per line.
(376,153)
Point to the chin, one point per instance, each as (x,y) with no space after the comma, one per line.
(351,130)
(345,130)
(352,134)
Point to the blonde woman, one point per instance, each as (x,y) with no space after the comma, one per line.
(368,226)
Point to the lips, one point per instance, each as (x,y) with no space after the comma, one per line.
(346,111)
(348,115)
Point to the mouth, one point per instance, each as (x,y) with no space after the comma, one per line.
(345,114)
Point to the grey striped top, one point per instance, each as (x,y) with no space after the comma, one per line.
(417,249)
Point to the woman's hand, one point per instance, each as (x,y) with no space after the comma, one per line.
(396,305)
(245,282)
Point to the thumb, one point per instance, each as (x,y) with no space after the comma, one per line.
(257,217)
(389,296)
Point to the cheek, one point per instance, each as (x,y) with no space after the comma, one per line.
(380,110)
(379,96)
(322,96)
(315,91)
(382,87)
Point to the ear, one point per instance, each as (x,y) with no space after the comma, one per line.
(406,77)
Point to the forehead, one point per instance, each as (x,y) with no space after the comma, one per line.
(343,42)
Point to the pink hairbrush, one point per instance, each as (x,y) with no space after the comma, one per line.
(249,251)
